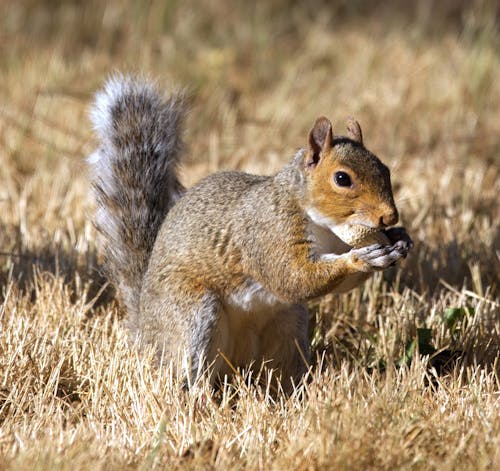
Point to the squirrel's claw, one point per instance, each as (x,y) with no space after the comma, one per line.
(398,234)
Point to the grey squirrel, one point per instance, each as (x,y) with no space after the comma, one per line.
(221,272)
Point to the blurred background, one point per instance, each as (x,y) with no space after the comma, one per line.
(420,76)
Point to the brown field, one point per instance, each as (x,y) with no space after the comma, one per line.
(423,82)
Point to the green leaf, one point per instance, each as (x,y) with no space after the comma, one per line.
(408,355)
(453,315)
(423,341)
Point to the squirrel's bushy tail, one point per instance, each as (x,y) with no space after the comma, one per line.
(134,176)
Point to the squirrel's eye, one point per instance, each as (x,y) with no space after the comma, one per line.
(342,179)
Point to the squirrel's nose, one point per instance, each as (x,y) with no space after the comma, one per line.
(389,218)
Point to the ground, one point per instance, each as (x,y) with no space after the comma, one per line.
(406,374)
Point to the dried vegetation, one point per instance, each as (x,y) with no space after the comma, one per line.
(407,375)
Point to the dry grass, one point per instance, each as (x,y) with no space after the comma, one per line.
(424,84)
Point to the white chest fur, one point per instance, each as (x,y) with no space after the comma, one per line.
(325,242)
(328,246)
(252,303)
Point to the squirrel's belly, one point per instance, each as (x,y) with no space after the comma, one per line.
(243,320)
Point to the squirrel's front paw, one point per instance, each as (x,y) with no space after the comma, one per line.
(396,234)
(379,257)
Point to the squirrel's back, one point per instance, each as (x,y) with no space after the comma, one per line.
(134,176)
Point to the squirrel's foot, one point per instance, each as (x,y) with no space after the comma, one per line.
(379,257)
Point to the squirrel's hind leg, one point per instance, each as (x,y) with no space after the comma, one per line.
(182,327)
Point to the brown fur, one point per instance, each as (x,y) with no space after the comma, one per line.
(238,254)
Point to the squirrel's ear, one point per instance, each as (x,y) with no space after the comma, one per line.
(354,130)
(320,139)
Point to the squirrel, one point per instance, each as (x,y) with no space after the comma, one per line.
(222,271)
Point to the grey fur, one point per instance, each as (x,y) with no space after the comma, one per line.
(221,271)
(134,176)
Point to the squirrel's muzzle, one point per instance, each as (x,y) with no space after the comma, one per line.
(389,218)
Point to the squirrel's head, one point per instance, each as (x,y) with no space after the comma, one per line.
(346,182)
